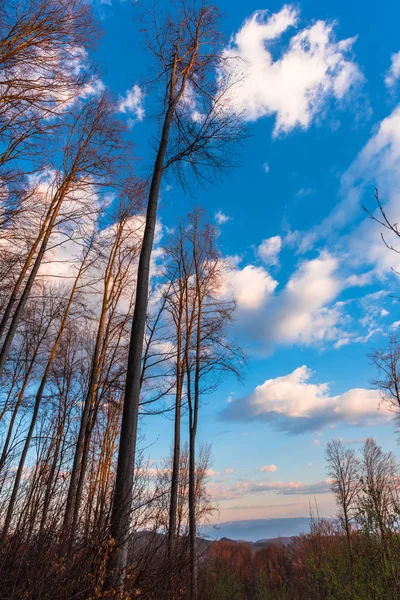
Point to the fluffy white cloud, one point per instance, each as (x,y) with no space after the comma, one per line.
(393,73)
(250,286)
(266,167)
(302,313)
(221,218)
(268,469)
(305,311)
(296,86)
(294,404)
(132,104)
(269,250)
(211,473)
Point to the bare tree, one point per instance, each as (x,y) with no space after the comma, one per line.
(378,501)
(387,362)
(40,391)
(88,157)
(42,50)
(121,247)
(179,274)
(208,354)
(187,48)
(344,470)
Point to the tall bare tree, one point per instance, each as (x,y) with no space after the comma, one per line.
(188,50)
(89,157)
(344,470)
(43,70)
(121,247)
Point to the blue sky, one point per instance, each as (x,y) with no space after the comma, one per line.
(308,270)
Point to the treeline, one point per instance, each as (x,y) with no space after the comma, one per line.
(95,333)
(352,557)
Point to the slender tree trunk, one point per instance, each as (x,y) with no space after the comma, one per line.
(172,529)
(72,498)
(85,428)
(24,270)
(50,480)
(32,276)
(122,501)
(18,403)
(38,400)
(192,452)
(192,515)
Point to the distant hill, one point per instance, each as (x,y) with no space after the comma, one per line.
(257,529)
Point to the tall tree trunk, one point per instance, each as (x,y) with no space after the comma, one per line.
(122,501)
(172,529)
(193,420)
(172,526)
(72,498)
(38,400)
(64,188)
(25,267)
(20,398)
(85,428)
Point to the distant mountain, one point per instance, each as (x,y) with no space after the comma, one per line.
(258,529)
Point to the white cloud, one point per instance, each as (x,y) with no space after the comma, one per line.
(393,73)
(266,167)
(249,286)
(299,314)
(376,165)
(295,405)
(268,469)
(221,218)
(211,473)
(316,442)
(303,312)
(285,488)
(228,471)
(269,250)
(296,86)
(292,488)
(308,465)
(132,104)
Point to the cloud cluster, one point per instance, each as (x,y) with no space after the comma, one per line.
(296,86)
(132,104)
(268,469)
(269,249)
(220,492)
(300,313)
(221,218)
(393,73)
(307,310)
(293,404)
(304,311)
(250,286)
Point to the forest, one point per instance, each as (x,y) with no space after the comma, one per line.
(103,327)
